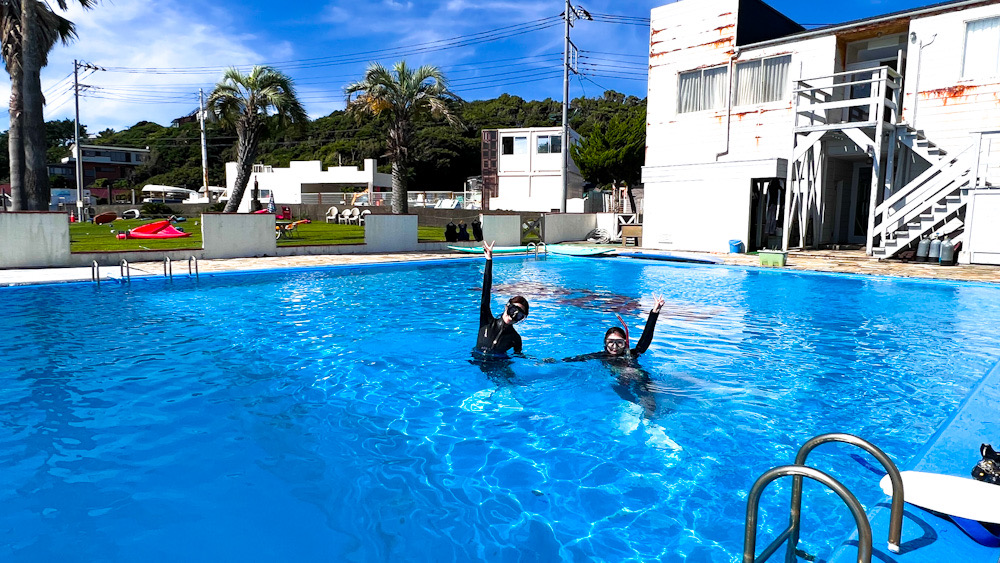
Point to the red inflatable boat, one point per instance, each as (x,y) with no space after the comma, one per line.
(158,229)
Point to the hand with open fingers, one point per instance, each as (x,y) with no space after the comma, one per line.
(488,249)
(658,303)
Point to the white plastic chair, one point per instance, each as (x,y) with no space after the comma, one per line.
(361,218)
(331,214)
(344,217)
(355,216)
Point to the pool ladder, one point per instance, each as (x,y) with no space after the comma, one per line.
(800,470)
(535,247)
(168,267)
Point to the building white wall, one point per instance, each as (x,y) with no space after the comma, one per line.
(533,181)
(702,206)
(286,183)
(948,105)
(231,235)
(562,227)
(34,239)
(982,228)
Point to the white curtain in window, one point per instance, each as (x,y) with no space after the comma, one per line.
(775,78)
(715,87)
(688,92)
(520,145)
(747,80)
(982,43)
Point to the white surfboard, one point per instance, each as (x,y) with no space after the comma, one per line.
(955,496)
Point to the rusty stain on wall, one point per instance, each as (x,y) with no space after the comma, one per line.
(950,93)
(723,28)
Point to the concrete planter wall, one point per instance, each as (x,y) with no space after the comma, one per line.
(34,239)
(391,233)
(504,229)
(238,235)
(562,227)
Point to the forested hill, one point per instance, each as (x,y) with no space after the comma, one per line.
(443,155)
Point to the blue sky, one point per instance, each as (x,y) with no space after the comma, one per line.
(325,44)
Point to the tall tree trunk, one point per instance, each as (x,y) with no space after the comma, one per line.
(400,201)
(36,177)
(247,153)
(15,144)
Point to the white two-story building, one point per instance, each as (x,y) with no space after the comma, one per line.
(307,182)
(863,133)
(522,170)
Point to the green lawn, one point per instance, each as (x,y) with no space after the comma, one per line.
(88,237)
(331,233)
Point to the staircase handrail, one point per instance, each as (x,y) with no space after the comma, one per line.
(916,208)
(924,182)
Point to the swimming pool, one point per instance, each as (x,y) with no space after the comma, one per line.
(335,415)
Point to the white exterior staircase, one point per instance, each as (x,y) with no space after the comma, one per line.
(933,202)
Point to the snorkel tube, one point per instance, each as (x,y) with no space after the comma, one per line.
(628,343)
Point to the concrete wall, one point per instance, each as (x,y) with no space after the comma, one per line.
(504,229)
(391,233)
(562,227)
(34,239)
(238,235)
(608,222)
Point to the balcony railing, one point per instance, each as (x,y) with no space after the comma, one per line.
(857,98)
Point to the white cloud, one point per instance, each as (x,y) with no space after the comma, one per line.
(129,33)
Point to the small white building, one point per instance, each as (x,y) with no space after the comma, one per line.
(306,182)
(865,133)
(522,170)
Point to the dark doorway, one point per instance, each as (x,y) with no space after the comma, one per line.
(767,213)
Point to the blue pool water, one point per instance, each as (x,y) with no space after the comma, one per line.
(335,415)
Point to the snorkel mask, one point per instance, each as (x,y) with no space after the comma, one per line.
(514,312)
(615,343)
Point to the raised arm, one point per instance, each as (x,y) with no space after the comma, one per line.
(647,333)
(485,315)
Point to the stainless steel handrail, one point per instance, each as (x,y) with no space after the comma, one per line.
(195,258)
(753,504)
(124,271)
(896,512)
(95,272)
(168,267)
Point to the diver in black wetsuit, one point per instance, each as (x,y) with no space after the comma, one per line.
(633,383)
(497,335)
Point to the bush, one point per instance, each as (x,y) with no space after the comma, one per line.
(216,208)
(150,209)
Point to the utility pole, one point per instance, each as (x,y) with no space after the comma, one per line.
(569,63)
(204,146)
(78,156)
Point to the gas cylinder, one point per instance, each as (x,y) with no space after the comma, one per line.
(947,253)
(923,248)
(934,252)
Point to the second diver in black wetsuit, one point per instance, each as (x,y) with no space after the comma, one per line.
(633,383)
(496,334)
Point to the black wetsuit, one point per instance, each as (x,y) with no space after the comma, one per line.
(632,382)
(495,336)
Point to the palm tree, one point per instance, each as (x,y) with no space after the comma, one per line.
(401,92)
(35,45)
(53,28)
(243,102)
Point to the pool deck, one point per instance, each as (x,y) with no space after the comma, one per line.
(834,261)
(953,450)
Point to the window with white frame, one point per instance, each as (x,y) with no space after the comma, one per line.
(761,80)
(702,89)
(514,145)
(982,48)
(549,144)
